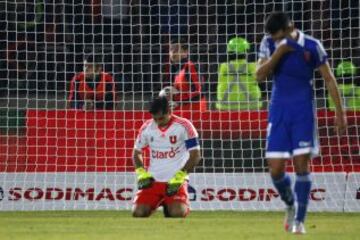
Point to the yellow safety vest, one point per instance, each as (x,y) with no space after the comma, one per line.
(237,88)
(350,94)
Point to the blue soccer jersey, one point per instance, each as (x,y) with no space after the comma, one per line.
(292,126)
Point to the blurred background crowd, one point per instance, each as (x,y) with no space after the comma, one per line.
(43,43)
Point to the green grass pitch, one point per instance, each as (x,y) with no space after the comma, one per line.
(219,225)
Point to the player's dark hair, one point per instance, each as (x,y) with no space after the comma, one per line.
(276,21)
(183,41)
(159,105)
(96,59)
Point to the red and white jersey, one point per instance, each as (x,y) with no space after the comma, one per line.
(169,147)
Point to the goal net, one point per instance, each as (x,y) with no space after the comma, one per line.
(64,145)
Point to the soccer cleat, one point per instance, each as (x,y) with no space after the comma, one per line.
(298,228)
(289,218)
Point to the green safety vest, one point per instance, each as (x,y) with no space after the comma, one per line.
(237,88)
(350,94)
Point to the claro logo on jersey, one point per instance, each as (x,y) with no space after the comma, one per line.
(167,154)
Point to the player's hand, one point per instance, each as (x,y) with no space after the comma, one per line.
(288,45)
(341,122)
(144,178)
(284,48)
(176,182)
(293,44)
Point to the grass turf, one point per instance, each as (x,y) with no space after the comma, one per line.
(199,225)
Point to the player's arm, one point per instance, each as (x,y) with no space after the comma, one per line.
(138,159)
(144,178)
(261,73)
(266,65)
(181,176)
(194,158)
(331,86)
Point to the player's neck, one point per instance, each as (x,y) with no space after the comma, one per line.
(167,123)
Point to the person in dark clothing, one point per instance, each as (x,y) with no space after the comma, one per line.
(92,89)
(185,90)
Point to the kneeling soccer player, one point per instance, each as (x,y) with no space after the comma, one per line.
(174,151)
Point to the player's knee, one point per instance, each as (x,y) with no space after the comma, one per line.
(302,170)
(276,172)
(177,211)
(141,212)
(276,167)
(301,164)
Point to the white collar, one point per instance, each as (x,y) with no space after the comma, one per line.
(301,38)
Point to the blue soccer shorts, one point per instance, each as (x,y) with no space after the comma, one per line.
(291,131)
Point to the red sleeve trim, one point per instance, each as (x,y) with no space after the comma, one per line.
(190,129)
(144,126)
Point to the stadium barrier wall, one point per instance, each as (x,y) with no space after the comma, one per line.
(77,141)
(352,197)
(87,156)
(207,191)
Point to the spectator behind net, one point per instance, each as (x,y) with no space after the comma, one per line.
(92,89)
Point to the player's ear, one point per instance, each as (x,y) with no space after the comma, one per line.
(291,27)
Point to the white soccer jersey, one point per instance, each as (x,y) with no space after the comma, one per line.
(169,147)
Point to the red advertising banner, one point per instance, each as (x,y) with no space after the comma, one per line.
(103,140)
(77,141)
(81,141)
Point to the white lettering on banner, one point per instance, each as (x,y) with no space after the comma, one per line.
(352,195)
(59,191)
(249,194)
(238,191)
(255,191)
(68,194)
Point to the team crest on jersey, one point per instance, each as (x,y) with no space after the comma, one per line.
(173,139)
(307,56)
